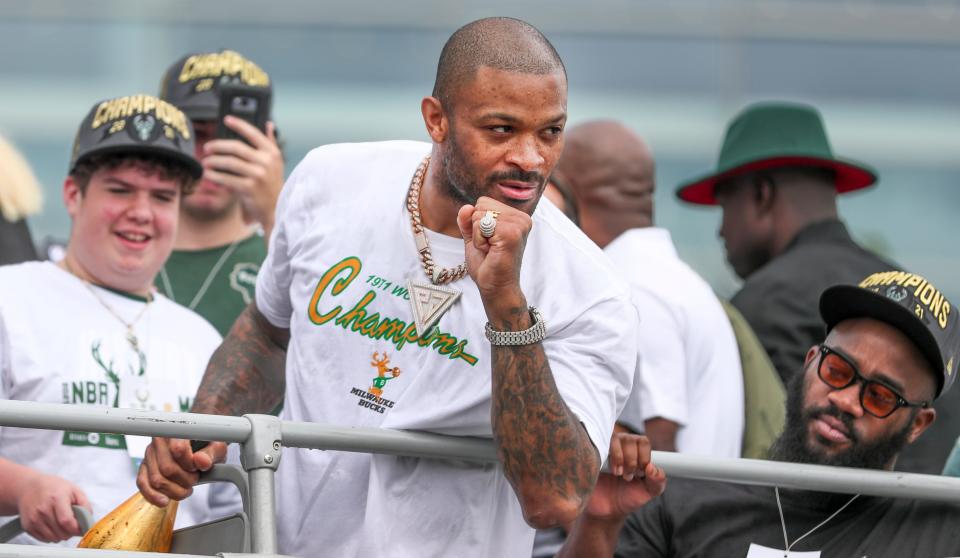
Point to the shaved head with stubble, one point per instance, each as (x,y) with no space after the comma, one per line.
(610,170)
(496,116)
(501,43)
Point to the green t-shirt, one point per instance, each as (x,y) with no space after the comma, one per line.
(216,283)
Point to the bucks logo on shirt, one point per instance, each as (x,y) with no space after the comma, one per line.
(104,392)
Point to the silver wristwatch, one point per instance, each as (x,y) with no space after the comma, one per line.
(533,334)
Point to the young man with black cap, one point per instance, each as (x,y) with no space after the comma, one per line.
(90,330)
(892,347)
(217,254)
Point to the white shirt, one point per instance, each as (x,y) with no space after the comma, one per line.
(336,274)
(689,370)
(59,344)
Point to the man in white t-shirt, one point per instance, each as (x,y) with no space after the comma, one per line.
(389,265)
(689,394)
(90,330)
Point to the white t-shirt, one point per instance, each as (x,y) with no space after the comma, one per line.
(59,344)
(689,370)
(336,273)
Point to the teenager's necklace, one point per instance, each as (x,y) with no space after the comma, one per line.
(131,335)
(168,287)
(788,545)
(428,301)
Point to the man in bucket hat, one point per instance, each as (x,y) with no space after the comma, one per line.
(90,330)
(777,181)
(892,347)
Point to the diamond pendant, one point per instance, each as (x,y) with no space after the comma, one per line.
(428,303)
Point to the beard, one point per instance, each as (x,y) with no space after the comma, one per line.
(464,186)
(792,446)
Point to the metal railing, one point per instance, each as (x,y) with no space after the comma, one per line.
(262,438)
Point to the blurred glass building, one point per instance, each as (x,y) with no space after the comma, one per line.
(885,74)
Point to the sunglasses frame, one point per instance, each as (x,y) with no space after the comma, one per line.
(863,381)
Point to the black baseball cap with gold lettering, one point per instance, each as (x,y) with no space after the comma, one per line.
(909,303)
(193,82)
(136,124)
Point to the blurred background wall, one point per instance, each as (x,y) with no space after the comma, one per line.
(885,74)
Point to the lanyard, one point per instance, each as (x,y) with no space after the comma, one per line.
(783,523)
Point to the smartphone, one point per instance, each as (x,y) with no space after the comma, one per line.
(242,101)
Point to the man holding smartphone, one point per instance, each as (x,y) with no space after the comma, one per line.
(218,252)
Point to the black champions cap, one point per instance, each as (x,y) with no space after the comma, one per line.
(909,303)
(136,124)
(193,82)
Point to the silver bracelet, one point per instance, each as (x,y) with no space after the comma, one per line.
(533,334)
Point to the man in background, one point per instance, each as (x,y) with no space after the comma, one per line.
(777,182)
(689,393)
(218,252)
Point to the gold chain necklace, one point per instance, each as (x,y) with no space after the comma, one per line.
(131,335)
(438,275)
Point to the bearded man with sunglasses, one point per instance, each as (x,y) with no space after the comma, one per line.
(892,347)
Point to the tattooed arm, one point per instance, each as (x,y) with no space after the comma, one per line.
(546,453)
(244,375)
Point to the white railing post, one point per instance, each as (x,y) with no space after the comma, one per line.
(260,456)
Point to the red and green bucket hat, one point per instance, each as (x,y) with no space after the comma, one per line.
(776,134)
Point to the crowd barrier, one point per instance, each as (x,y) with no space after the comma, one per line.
(263,437)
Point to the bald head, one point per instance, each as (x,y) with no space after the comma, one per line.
(501,43)
(610,170)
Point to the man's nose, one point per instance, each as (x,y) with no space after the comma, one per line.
(526,154)
(848,399)
(140,209)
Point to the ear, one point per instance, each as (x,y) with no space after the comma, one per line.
(811,354)
(764,193)
(72,196)
(435,119)
(921,422)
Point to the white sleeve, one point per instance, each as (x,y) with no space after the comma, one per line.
(276,274)
(593,360)
(663,368)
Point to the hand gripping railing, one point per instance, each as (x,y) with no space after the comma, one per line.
(262,438)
